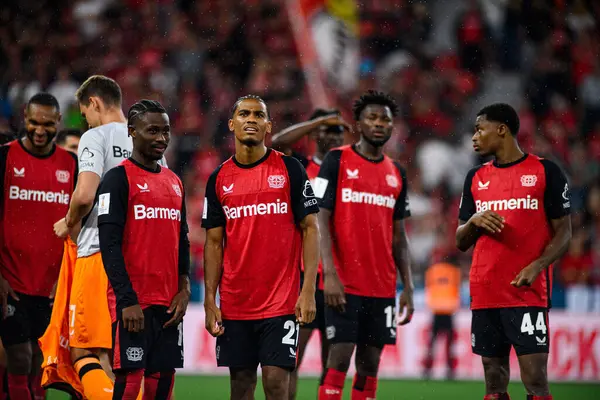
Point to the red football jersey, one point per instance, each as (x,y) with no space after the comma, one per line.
(528,193)
(36,194)
(149,208)
(365,197)
(260,206)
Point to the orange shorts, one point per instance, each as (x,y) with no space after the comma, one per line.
(89,317)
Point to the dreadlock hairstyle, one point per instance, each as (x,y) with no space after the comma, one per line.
(373,97)
(248,97)
(142,107)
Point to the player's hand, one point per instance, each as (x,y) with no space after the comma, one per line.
(406,303)
(489,221)
(178,308)
(5,291)
(335,119)
(527,275)
(61,229)
(334,293)
(133,318)
(213,320)
(306,308)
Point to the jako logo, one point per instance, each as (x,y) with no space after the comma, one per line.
(16,193)
(140,211)
(507,204)
(256,209)
(350,196)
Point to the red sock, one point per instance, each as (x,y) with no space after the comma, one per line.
(18,386)
(128,384)
(496,396)
(332,385)
(533,397)
(36,387)
(159,385)
(364,387)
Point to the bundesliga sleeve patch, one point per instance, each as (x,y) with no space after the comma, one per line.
(320,187)
(205,208)
(103,203)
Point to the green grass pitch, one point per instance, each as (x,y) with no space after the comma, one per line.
(217,388)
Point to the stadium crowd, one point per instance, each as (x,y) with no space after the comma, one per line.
(197,66)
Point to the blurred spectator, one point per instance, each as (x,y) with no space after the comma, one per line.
(590,98)
(64,88)
(472,37)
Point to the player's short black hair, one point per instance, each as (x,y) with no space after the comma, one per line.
(61,136)
(248,97)
(44,99)
(504,114)
(142,107)
(374,97)
(321,112)
(100,86)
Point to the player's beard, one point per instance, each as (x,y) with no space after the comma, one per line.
(376,142)
(31,136)
(250,142)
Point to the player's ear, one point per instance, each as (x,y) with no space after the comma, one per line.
(131,131)
(230,125)
(269,127)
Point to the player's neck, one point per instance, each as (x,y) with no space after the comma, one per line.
(249,154)
(113,115)
(369,151)
(143,161)
(508,155)
(36,151)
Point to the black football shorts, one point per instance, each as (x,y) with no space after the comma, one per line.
(495,330)
(155,349)
(26,320)
(268,342)
(319,321)
(366,320)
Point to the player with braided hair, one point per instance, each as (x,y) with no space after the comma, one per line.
(148,274)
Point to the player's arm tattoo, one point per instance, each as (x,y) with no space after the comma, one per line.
(559,243)
(310,251)
(83,197)
(213,262)
(401,254)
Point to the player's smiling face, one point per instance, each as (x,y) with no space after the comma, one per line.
(487,137)
(41,124)
(376,124)
(151,135)
(250,122)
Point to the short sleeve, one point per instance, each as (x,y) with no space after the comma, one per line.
(302,196)
(213,215)
(325,186)
(113,196)
(467,203)
(557,197)
(402,208)
(91,152)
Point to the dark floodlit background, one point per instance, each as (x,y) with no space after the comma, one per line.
(441,61)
